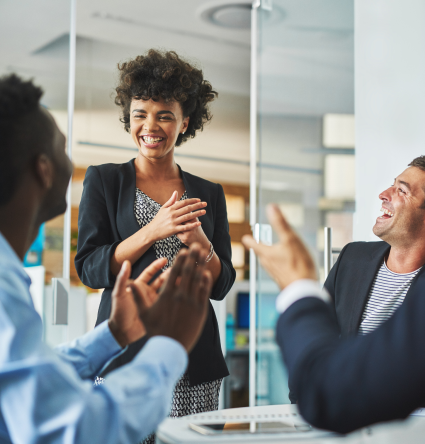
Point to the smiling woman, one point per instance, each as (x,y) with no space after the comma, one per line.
(165,77)
(149,208)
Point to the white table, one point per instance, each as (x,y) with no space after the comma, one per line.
(177,431)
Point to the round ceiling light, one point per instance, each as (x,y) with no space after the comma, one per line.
(235,14)
(230,15)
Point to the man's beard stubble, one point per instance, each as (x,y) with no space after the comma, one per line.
(402,233)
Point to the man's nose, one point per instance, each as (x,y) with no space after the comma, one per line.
(386,195)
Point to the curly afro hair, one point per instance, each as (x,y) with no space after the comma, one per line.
(161,75)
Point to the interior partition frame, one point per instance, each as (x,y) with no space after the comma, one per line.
(253,217)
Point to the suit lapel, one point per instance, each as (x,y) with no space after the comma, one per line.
(364,273)
(188,186)
(418,282)
(126,220)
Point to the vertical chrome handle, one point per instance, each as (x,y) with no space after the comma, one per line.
(328,250)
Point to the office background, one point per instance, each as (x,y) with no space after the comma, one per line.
(317,64)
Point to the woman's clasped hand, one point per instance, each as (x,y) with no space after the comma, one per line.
(177,217)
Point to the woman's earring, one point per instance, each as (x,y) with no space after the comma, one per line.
(183,132)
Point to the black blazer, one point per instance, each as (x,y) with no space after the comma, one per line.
(106,217)
(350,281)
(345,384)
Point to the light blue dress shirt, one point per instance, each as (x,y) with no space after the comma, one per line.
(47,396)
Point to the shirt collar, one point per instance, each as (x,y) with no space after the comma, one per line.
(9,259)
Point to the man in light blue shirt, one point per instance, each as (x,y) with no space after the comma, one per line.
(48,396)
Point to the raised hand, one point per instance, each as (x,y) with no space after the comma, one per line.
(289,259)
(181,309)
(124,322)
(176,217)
(146,276)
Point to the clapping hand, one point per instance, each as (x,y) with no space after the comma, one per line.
(181,309)
(124,321)
(289,259)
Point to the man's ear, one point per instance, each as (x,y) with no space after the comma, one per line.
(44,171)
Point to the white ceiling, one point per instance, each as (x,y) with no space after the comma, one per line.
(33,36)
(306,48)
(306,63)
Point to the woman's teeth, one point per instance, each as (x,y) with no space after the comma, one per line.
(387,212)
(151,140)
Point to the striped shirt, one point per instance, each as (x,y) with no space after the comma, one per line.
(386,295)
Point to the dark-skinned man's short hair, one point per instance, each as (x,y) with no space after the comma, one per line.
(23,131)
(164,75)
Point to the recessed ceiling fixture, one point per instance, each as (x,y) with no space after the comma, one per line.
(228,14)
(235,14)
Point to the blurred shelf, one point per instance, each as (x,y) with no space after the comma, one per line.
(326,204)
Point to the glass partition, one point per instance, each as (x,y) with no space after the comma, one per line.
(36,46)
(305,146)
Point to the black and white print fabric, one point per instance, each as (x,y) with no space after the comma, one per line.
(186,400)
(145,209)
(197,399)
(98,381)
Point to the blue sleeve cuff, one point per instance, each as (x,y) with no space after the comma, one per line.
(101,342)
(167,352)
(89,353)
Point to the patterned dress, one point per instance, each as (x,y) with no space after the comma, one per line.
(186,400)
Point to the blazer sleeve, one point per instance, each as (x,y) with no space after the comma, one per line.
(329,285)
(222,246)
(343,385)
(95,240)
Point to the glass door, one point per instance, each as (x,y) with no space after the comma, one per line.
(37,46)
(304,122)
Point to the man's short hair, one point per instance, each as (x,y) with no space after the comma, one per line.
(418,162)
(24,131)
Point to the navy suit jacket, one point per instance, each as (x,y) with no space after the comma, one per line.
(106,217)
(349,283)
(343,384)
(350,280)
